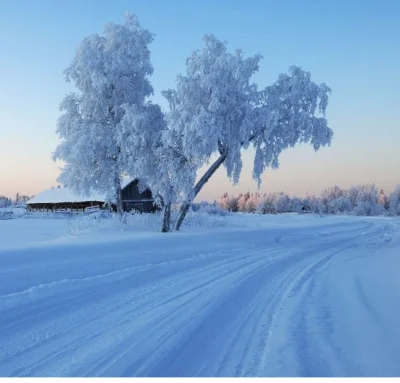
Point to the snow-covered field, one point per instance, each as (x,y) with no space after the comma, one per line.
(240,295)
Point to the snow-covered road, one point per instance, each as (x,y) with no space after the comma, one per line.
(312,297)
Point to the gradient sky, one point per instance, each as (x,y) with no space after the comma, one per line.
(352,45)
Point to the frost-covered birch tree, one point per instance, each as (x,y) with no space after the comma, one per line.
(219,110)
(110,72)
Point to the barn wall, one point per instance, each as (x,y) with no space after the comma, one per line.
(64,205)
(134,200)
(131,192)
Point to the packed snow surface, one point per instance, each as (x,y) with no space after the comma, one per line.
(250,296)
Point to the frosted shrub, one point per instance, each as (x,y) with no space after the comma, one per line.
(5,202)
(394,202)
(252,203)
(229,203)
(311,203)
(327,196)
(267,206)
(367,200)
(223,202)
(242,202)
(368,208)
(296,205)
(340,205)
(273,203)
(383,199)
(282,203)
(208,208)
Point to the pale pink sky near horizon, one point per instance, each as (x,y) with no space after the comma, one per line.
(292,176)
(353,48)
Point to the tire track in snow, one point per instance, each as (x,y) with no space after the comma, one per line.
(90,312)
(311,327)
(253,362)
(269,310)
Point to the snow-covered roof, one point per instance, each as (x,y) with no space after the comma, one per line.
(64,194)
(126,181)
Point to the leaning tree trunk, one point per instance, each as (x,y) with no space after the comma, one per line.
(202,181)
(166,226)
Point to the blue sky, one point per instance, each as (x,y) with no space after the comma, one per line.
(351,45)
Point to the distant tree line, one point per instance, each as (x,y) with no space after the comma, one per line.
(5,202)
(19,200)
(365,199)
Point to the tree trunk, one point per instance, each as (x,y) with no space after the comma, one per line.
(166,226)
(119,202)
(202,181)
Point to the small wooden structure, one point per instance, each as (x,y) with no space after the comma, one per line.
(65,200)
(133,199)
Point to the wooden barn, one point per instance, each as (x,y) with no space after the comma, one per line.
(134,200)
(64,199)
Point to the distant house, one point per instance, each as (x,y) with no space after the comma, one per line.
(63,198)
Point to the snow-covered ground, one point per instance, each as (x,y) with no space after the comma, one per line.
(236,295)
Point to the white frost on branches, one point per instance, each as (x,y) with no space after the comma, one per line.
(220,110)
(109,72)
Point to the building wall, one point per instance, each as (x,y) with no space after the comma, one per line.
(131,192)
(64,205)
(134,200)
